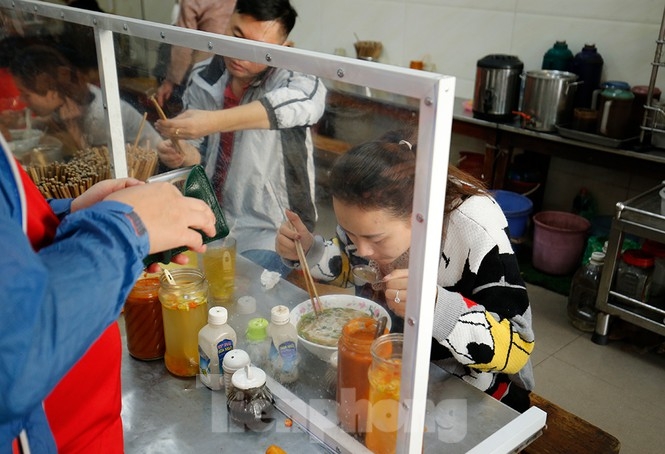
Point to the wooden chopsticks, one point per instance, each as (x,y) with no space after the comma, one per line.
(309,281)
(162,115)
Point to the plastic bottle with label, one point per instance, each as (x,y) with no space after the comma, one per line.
(583,292)
(216,339)
(283,356)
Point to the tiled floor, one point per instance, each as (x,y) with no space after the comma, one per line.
(615,387)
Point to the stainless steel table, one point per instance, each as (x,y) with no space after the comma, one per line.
(165,414)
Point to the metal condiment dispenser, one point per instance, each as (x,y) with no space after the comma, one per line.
(250,402)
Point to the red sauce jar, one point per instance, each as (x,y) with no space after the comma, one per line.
(354,359)
(143,320)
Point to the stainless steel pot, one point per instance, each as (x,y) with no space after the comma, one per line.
(497,87)
(548,99)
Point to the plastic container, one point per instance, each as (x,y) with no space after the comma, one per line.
(143,320)
(185,312)
(588,65)
(354,359)
(216,339)
(384,387)
(583,292)
(558,57)
(516,208)
(633,277)
(283,355)
(558,241)
(257,342)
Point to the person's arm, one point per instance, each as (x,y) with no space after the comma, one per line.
(59,300)
(299,100)
(496,320)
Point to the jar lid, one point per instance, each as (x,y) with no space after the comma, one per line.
(638,257)
(246,305)
(248,377)
(500,61)
(217,315)
(257,329)
(280,314)
(234,360)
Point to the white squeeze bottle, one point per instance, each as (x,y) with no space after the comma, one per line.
(283,356)
(215,340)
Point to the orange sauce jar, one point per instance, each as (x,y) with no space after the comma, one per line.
(384,386)
(354,359)
(143,320)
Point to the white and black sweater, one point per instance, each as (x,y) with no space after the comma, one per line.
(482,319)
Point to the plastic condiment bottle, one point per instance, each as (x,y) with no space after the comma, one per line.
(583,292)
(354,359)
(283,355)
(251,403)
(257,341)
(233,361)
(216,339)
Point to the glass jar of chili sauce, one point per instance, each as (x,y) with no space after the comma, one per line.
(354,359)
(143,320)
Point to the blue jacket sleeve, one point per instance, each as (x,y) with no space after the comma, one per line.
(57,302)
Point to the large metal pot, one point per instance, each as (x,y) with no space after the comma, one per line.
(497,87)
(548,99)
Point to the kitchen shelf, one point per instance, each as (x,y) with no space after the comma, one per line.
(640,216)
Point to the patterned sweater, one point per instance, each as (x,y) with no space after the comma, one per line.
(482,320)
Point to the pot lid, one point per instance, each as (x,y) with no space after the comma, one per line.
(551,74)
(500,61)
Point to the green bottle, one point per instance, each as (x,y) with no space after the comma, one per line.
(559,57)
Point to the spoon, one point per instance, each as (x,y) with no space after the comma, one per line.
(380,326)
(365,274)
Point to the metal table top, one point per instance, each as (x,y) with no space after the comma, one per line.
(165,414)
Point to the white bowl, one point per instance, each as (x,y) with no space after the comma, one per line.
(324,352)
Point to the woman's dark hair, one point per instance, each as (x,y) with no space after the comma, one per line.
(42,68)
(267,10)
(381,175)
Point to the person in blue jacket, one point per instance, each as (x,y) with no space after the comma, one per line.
(65,271)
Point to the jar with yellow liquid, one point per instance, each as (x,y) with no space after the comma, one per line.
(184,311)
(384,386)
(219,266)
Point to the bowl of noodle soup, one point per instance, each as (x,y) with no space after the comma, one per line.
(319,335)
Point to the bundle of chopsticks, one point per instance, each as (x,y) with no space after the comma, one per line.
(67,180)
(368,50)
(141,162)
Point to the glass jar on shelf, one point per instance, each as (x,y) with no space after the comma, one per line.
(633,275)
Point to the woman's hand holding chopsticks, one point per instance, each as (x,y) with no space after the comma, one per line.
(289,232)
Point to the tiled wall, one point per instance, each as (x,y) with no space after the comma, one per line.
(453,34)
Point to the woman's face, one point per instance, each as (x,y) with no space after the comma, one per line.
(40,104)
(378,234)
